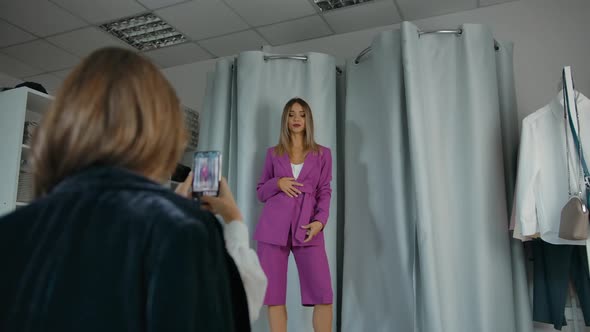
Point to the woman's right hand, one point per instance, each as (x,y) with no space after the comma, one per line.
(288,186)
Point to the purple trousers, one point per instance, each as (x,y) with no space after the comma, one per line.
(314,273)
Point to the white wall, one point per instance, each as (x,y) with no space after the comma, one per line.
(548,34)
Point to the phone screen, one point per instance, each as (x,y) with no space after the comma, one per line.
(206,173)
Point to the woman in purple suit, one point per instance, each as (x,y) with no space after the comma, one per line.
(295,190)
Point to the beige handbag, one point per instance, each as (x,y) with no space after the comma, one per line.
(574,220)
(574,215)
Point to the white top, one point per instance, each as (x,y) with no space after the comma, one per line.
(296,169)
(253,277)
(541,186)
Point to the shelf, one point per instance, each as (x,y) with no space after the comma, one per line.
(38,102)
(21,203)
(26,146)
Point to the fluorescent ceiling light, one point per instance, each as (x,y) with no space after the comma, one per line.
(145,32)
(326,5)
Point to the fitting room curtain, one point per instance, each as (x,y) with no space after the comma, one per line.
(428,131)
(430,126)
(379,236)
(218,132)
(244,108)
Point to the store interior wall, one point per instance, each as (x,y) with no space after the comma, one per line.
(547,34)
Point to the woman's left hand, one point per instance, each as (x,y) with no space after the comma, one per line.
(312,230)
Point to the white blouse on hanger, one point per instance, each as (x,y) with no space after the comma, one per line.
(541,185)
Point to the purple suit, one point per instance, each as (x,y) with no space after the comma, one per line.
(283,215)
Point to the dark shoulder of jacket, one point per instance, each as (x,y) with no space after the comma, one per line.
(191,212)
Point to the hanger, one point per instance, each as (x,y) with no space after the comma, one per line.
(559,86)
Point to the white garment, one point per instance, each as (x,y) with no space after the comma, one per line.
(253,277)
(296,169)
(541,185)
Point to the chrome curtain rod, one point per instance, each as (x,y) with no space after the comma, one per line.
(420,33)
(293,57)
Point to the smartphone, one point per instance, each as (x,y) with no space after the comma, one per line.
(180,173)
(206,173)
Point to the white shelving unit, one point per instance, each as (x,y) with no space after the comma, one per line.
(17,106)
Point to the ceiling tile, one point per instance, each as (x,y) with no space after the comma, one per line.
(264,12)
(41,54)
(39,17)
(364,16)
(296,30)
(201,19)
(155,4)
(16,68)
(234,43)
(83,42)
(50,83)
(102,11)
(62,73)
(7,81)
(484,3)
(178,55)
(417,9)
(10,35)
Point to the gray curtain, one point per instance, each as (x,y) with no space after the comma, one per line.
(510,140)
(218,122)
(430,146)
(379,235)
(243,108)
(425,166)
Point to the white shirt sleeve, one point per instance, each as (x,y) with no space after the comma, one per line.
(526,182)
(253,277)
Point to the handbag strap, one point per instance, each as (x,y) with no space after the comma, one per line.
(576,139)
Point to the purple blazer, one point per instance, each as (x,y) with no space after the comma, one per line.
(282,213)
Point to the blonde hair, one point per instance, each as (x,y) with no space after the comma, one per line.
(309,143)
(115,109)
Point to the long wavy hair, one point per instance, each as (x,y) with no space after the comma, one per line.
(309,143)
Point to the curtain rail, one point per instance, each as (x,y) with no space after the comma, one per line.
(420,33)
(293,57)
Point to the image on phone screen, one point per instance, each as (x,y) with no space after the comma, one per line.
(207,173)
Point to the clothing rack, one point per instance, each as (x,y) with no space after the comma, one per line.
(420,33)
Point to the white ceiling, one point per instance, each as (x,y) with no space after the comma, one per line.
(41,40)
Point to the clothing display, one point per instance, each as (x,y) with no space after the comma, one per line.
(554,267)
(275,225)
(313,268)
(551,198)
(542,183)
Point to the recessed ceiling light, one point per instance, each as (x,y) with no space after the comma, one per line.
(326,5)
(145,32)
